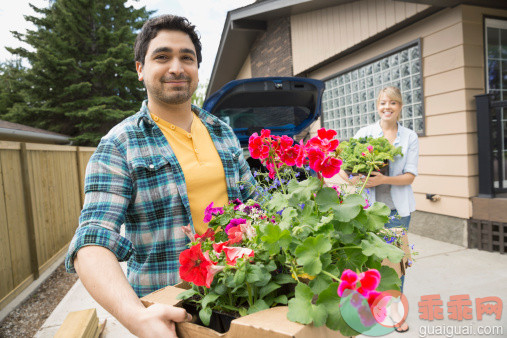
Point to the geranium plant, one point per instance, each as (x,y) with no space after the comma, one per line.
(297,244)
(367,154)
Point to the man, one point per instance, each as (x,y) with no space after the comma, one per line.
(155,172)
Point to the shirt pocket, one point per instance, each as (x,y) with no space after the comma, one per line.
(154,183)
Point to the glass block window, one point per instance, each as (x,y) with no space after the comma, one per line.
(350,98)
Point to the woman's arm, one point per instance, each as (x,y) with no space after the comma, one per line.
(376,178)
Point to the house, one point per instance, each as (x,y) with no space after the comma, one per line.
(441,53)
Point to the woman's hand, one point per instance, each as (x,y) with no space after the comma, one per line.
(376,178)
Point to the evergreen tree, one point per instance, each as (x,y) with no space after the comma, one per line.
(11,77)
(82,78)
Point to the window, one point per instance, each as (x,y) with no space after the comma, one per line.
(350,98)
(496,84)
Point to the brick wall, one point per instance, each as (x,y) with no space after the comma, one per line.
(271,53)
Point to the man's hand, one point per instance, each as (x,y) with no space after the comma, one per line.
(158,321)
(376,178)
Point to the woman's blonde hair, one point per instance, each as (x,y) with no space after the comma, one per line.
(393,93)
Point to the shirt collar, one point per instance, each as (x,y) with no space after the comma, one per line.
(377,131)
(145,116)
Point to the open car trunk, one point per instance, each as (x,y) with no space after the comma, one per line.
(285,105)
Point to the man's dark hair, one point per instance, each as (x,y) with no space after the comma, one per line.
(170,22)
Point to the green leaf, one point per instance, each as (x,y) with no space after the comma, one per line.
(284,278)
(349,209)
(282,299)
(288,218)
(205,315)
(239,277)
(187,294)
(351,259)
(389,279)
(253,273)
(326,199)
(308,253)
(302,310)
(330,300)
(308,216)
(271,266)
(258,306)
(209,298)
(277,202)
(373,245)
(378,216)
(275,238)
(270,287)
(303,191)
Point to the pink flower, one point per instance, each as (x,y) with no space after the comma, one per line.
(301,159)
(218,247)
(212,271)
(234,222)
(324,141)
(233,253)
(370,280)
(363,154)
(208,234)
(209,212)
(349,279)
(286,142)
(370,148)
(315,157)
(290,155)
(235,234)
(330,167)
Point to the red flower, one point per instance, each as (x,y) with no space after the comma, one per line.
(257,148)
(218,247)
(324,141)
(235,234)
(330,167)
(290,155)
(349,279)
(194,265)
(326,134)
(233,253)
(315,156)
(208,234)
(286,142)
(370,280)
(301,159)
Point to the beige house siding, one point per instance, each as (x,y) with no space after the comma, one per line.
(245,71)
(453,72)
(320,34)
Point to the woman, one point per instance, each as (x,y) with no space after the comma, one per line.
(394,190)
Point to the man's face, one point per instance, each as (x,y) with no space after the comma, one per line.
(170,68)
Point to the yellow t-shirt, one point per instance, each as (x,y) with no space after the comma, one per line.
(201,165)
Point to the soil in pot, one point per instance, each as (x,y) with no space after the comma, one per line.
(220,322)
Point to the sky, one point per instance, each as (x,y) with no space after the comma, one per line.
(207,15)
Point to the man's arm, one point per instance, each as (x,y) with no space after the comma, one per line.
(104,279)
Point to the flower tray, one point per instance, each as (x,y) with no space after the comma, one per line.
(400,267)
(270,323)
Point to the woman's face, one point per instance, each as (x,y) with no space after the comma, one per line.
(388,109)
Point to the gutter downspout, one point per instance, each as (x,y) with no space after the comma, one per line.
(30,136)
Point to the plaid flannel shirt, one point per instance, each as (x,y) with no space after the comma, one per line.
(134,178)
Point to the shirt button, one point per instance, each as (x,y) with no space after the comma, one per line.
(173,127)
(197,151)
(151,166)
(189,136)
(155,118)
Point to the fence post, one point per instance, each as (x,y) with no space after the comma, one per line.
(25,174)
(79,176)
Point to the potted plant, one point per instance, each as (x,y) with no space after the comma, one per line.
(299,244)
(367,154)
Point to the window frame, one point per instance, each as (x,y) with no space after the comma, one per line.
(413,43)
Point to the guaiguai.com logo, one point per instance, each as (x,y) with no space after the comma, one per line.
(376,314)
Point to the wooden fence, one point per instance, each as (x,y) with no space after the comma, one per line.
(41,194)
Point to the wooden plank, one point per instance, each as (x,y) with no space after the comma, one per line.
(451,102)
(448,165)
(10,145)
(16,216)
(443,61)
(448,205)
(79,324)
(29,211)
(444,39)
(48,147)
(7,283)
(381,15)
(457,144)
(372,18)
(17,290)
(456,79)
(453,123)
(399,11)
(457,186)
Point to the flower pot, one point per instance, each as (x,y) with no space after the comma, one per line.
(219,321)
(384,171)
